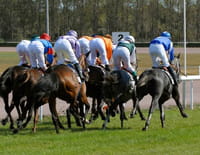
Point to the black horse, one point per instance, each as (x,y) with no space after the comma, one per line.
(7,82)
(118,88)
(94,90)
(158,84)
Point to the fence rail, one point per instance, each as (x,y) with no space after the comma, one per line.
(190,78)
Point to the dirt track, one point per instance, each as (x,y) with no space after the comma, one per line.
(61,106)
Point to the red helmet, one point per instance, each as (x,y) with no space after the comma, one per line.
(45,36)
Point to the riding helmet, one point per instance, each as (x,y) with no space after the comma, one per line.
(165,34)
(45,36)
(72,33)
(130,39)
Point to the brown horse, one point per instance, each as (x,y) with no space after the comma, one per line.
(60,81)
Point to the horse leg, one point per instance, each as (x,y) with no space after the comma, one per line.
(151,110)
(176,97)
(94,113)
(68,115)
(8,111)
(54,115)
(99,108)
(107,119)
(162,114)
(35,120)
(53,104)
(74,111)
(122,114)
(136,107)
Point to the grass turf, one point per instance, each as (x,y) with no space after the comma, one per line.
(180,136)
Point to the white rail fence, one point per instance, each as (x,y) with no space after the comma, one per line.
(190,78)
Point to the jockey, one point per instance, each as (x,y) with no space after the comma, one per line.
(23,52)
(102,45)
(85,46)
(124,56)
(38,48)
(68,45)
(162,53)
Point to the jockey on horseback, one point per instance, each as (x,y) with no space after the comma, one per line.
(23,52)
(124,56)
(103,46)
(162,53)
(68,45)
(84,42)
(38,48)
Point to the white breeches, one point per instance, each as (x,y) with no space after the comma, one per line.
(85,47)
(98,45)
(23,52)
(121,58)
(37,57)
(158,55)
(64,50)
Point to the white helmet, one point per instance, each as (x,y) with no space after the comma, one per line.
(130,39)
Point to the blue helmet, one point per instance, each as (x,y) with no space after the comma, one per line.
(72,33)
(166,34)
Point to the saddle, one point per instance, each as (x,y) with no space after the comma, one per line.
(169,76)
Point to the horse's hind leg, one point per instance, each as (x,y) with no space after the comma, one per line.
(122,114)
(55,119)
(151,110)
(94,112)
(176,96)
(136,107)
(162,115)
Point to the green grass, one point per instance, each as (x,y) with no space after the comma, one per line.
(180,136)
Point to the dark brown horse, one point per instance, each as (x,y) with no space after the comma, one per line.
(118,88)
(7,82)
(95,91)
(24,83)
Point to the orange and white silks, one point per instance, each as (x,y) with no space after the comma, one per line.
(87,37)
(108,45)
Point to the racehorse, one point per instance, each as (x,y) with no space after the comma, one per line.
(158,84)
(118,88)
(94,90)
(60,81)
(22,88)
(7,82)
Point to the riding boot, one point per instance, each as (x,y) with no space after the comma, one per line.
(107,68)
(79,71)
(134,74)
(173,74)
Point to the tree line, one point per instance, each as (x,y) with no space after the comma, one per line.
(144,19)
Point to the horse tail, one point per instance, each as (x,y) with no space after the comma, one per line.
(142,80)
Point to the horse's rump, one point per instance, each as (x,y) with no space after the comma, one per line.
(118,83)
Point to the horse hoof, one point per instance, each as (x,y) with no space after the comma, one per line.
(3,122)
(185,115)
(144,129)
(15,131)
(131,116)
